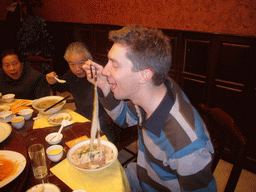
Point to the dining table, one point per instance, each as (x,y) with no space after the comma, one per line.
(20,139)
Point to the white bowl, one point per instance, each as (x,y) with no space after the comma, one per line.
(55,109)
(52,138)
(18,122)
(6,116)
(86,142)
(8,98)
(54,152)
(26,113)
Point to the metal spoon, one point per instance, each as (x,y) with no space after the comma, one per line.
(60,80)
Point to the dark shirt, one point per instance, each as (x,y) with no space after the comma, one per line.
(82,91)
(31,84)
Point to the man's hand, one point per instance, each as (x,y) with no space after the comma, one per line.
(50,77)
(90,67)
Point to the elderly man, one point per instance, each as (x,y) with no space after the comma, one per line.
(175,151)
(76,55)
(20,78)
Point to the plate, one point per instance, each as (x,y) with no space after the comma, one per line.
(5,131)
(47,187)
(4,108)
(56,119)
(16,157)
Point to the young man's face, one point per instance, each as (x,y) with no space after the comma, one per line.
(12,66)
(124,82)
(76,62)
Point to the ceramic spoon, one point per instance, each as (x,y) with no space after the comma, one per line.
(60,80)
(63,124)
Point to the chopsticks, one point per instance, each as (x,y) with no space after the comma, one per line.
(56,103)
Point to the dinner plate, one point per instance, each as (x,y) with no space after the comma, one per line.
(5,131)
(57,118)
(18,159)
(47,187)
(4,108)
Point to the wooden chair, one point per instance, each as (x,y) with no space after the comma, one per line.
(41,64)
(225,134)
(125,137)
(37,62)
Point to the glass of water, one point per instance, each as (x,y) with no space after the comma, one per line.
(36,154)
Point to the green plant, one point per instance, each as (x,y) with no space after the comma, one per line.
(34,38)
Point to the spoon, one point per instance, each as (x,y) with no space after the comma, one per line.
(64,123)
(60,80)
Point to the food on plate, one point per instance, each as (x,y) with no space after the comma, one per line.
(20,105)
(58,118)
(47,103)
(85,158)
(7,168)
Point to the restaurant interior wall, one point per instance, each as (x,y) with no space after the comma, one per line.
(216,68)
(237,17)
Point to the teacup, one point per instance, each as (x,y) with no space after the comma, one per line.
(18,122)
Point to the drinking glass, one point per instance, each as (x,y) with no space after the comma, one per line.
(38,161)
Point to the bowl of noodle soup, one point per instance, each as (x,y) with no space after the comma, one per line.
(43,103)
(79,155)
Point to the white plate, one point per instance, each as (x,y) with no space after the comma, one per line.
(56,119)
(5,131)
(4,108)
(18,159)
(49,187)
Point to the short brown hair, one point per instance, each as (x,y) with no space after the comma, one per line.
(147,48)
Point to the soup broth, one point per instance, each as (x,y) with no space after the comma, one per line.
(86,158)
(17,120)
(48,103)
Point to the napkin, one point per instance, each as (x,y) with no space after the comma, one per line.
(76,118)
(79,139)
(112,178)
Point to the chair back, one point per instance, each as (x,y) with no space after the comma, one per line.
(125,137)
(40,64)
(226,138)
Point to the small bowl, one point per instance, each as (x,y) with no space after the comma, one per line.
(26,113)
(54,152)
(6,116)
(8,98)
(53,141)
(18,122)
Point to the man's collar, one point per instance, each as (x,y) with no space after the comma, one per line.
(156,121)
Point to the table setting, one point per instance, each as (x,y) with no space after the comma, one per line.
(47,165)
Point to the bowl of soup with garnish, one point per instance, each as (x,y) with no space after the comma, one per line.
(45,102)
(82,157)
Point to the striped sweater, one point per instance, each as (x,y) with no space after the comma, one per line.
(175,151)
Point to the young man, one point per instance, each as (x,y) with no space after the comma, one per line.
(76,55)
(175,151)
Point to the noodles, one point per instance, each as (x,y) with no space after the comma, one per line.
(85,158)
